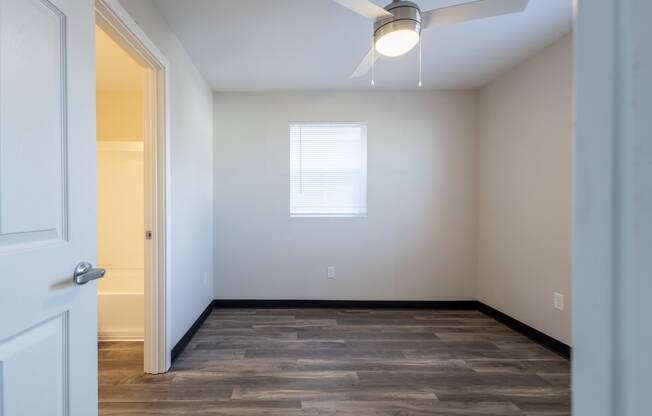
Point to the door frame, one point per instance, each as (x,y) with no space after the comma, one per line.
(115,21)
(612,225)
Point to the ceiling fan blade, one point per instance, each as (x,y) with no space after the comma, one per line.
(364,8)
(474,10)
(365,64)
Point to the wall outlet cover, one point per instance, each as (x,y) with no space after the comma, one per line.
(559,301)
(331,272)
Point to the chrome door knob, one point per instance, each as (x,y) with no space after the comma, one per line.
(84,273)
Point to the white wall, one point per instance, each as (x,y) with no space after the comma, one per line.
(191,196)
(524,190)
(418,239)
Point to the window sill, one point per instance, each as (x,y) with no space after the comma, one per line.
(328,215)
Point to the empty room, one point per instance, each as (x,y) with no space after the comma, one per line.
(325,207)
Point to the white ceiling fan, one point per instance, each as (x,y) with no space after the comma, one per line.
(398,26)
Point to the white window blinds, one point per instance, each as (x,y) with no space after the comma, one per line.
(328,170)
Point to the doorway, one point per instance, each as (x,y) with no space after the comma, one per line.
(131,187)
(120,117)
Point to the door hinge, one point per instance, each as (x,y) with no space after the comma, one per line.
(148,235)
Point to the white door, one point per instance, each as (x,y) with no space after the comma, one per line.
(48,351)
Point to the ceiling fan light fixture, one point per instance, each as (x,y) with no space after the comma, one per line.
(397,43)
(400,33)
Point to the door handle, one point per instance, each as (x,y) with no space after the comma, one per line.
(84,273)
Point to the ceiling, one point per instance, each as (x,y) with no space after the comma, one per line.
(263,45)
(115,69)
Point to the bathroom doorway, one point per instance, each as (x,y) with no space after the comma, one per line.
(131,189)
(120,119)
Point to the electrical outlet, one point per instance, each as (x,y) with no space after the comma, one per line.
(205,278)
(559,301)
(331,272)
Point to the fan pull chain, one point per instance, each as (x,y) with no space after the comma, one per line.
(373,63)
(300,161)
(420,63)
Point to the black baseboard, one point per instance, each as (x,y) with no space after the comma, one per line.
(534,334)
(185,339)
(347,304)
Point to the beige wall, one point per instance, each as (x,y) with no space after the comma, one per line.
(119,83)
(524,190)
(120,115)
(418,239)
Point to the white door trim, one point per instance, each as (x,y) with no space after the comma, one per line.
(114,19)
(612,227)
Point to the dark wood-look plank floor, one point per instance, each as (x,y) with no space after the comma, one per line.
(249,362)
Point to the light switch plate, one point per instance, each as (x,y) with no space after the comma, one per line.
(559,301)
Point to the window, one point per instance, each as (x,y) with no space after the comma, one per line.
(328,170)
